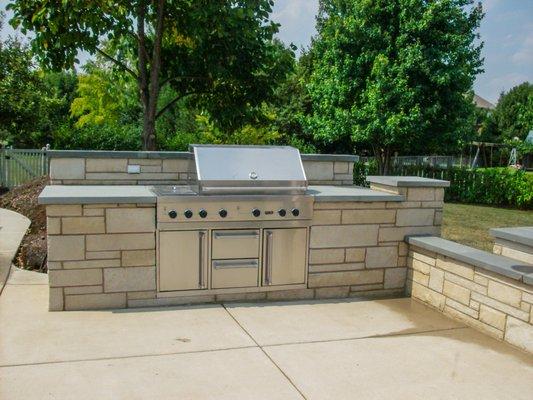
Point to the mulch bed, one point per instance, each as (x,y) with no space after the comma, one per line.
(23,199)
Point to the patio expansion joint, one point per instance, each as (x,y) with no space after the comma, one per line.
(265,353)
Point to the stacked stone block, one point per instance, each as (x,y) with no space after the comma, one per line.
(101,255)
(499,306)
(358,249)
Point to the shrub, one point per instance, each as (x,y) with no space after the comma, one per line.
(98,137)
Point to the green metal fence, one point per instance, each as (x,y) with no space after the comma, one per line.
(20,166)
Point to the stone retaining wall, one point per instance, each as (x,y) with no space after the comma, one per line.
(514,250)
(499,306)
(77,170)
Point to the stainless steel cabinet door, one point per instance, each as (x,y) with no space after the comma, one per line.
(284,256)
(182,260)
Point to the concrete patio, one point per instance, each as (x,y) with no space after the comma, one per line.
(331,349)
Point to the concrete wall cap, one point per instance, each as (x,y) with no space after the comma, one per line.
(407,181)
(495,263)
(521,234)
(88,194)
(350,193)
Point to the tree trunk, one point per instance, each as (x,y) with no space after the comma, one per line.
(383,158)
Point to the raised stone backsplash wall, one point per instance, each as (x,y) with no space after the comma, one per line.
(514,250)
(499,306)
(101,255)
(358,248)
(73,169)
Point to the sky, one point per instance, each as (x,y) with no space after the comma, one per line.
(506,30)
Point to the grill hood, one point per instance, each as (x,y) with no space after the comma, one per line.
(223,169)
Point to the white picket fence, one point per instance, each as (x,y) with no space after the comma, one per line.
(19,166)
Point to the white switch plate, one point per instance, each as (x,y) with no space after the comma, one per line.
(134,169)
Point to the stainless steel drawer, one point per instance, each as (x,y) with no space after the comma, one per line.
(229,243)
(234,273)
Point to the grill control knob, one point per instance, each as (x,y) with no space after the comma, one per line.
(202,213)
(223,213)
(188,214)
(295,212)
(172,214)
(256,212)
(282,212)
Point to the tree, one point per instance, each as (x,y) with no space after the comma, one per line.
(395,74)
(514,112)
(221,49)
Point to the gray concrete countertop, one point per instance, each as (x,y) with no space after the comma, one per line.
(407,181)
(350,193)
(514,269)
(60,194)
(521,234)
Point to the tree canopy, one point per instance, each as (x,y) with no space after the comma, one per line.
(514,112)
(393,74)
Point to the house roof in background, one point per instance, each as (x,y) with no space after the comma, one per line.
(482,103)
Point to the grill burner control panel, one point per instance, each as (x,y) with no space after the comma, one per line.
(189,210)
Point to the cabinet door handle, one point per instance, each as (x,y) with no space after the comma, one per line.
(235,264)
(236,235)
(201,235)
(268,258)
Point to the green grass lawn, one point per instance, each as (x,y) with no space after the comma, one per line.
(470,224)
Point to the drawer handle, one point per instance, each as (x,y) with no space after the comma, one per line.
(236,235)
(268,258)
(235,264)
(201,259)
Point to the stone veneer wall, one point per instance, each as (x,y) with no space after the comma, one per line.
(497,305)
(514,250)
(320,170)
(358,248)
(100,256)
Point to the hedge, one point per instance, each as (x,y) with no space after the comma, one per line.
(492,186)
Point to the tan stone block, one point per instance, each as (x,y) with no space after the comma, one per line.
(428,296)
(241,296)
(480,280)
(381,257)
(138,258)
(55,299)
(332,292)
(421,194)
(147,294)
(102,255)
(403,204)
(420,278)
(83,289)
(395,278)
(403,249)
(368,216)
(344,205)
(150,168)
(54,265)
(414,217)
(344,178)
(121,241)
(106,165)
(425,257)
(343,236)
(402,261)
(53,226)
(527,297)
(341,167)
(318,170)
(519,333)
(93,212)
(67,168)
(396,234)
(144,161)
(466,283)
(121,220)
(326,217)
(294,294)
(336,267)
(74,277)
(172,301)
(419,266)
(504,293)
(63,248)
(176,165)
(455,267)
(439,194)
(73,225)
(95,301)
(129,279)
(91,264)
(474,305)
(489,330)
(326,256)
(462,308)
(497,249)
(492,317)
(366,288)
(438,218)
(526,257)
(63,210)
(355,255)
(506,309)
(345,278)
(432,204)
(388,188)
(456,292)
(436,279)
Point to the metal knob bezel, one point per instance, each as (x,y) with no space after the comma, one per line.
(202,213)
(173,214)
(223,213)
(282,212)
(188,213)
(256,212)
(295,212)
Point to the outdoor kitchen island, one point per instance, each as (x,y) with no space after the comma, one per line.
(117,246)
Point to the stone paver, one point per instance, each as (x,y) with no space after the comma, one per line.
(390,349)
